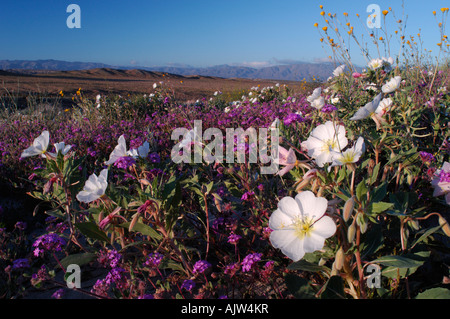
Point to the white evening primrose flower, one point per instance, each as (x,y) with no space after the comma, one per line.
(39,147)
(318,103)
(315,95)
(368,109)
(392,84)
(119,151)
(384,106)
(287,159)
(300,226)
(323,140)
(334,100)
(94,188)
(339,70)
(441,182)
(155,85)
(60,147)
(142,151)
(375,64)
(351,155)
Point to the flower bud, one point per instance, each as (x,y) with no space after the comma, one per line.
(339,261)
(348,208)
(351,232)
(445,226)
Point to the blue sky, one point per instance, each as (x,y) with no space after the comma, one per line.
(194,32)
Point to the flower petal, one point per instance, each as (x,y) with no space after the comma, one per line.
(310,205)
(289,206)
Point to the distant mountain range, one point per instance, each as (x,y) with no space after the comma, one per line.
(287,72)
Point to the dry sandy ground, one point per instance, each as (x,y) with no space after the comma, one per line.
(124,82)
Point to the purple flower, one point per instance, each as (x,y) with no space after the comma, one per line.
(427,157)
(200,266)
(188,284)
(248,195)
(328,108)
(21,263)
(292,118)
(154,260)
(125,162)
(114,258)
(233,239)
(20,225)
(58,294)
(249,260)
(48,242)
(154,158)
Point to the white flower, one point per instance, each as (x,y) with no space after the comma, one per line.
(324,139)
(387,63)
(142,151)
(155,85)
(384,106)
(227,109)
(286,158)
(94,188)
(441,182)
(318,103)
(315,95)
(368,109)
(119,151)
(339,70)
(371,87)
(351,155)
(299,225)
(335,100)
(97,100)
(375,64)
(39,147)
(60,147)
(392,85)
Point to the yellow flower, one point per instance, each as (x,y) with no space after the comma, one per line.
(325,29)
(385,12)
(444,9)
(61,93)
(439,44)
(322,13)
(321,6)
(381,38)
(345,14)
(316,24)
(66,110)
(434,12)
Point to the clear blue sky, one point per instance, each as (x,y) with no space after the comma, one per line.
(193,32)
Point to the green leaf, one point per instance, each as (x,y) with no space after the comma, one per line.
(78,259)
(306,266)
(426,234)
(374,176)
(380,207)
(379,193)
(361,190)
(92,231)
(299,287)
(398,261)
(435,293)
(334,289)
(144,230)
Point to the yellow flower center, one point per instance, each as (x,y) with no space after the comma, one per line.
(302,227)
(328,145)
